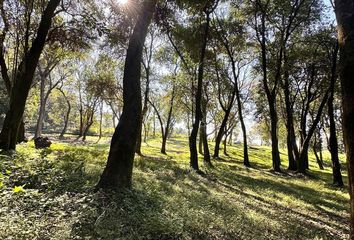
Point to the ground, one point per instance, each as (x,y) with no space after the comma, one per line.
(49,194)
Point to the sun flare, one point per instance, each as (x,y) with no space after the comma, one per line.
(123,2)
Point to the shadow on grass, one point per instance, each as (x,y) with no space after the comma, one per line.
(170,202)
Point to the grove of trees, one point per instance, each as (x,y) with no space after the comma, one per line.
(222,72)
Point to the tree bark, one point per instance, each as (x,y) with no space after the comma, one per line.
(23,80)
(333,142)
(101,120)
(270,92)
(198,98)
(118,171)
(293,152)
(41,112)
(168,122)
(66,118)
(317,146)
(274,134)
(204,136)
(302,163)
(345,19)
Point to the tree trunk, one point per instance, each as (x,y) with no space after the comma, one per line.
(41,110)
(87,128)
(204,136)
(23,80)
(200,147)
(225,145)
(168,122)
(198,98)
(317,146)
(274,136)
(118,171)
(66,118)
(246,161)
(271,94)
(220,134)
(21,133)
(293,152)
(333,142)
(101,120)
(345,19)
(302,163)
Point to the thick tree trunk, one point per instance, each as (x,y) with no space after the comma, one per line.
(345,19)
(21,133)
(118,171)
(23,80)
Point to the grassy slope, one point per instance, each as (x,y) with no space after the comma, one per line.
(168,201)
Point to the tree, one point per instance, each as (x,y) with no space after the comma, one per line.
(118,171)
(49,81)
(24,74)
(233,53)
(345,18)
(147,62)
(208,9)
(260,17)
(333,142)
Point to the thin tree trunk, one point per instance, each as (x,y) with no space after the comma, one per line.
(274,135)
(198,98)
(101,120)
(41,111)
(302,163)
(225,145)
(118,171)
(220,134)
(317,147)
(204,136)
(333,142)
(200,142)
(246,161)
(168,123)
(66,118)
(293,152)
(270,93)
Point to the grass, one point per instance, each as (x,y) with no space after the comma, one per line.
(47,194)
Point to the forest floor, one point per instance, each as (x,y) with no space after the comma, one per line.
(48,194)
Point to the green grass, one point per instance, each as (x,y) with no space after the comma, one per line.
(168,201)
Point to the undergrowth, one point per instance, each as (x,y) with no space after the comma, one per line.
(49,194)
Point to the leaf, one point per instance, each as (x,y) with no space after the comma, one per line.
(7,172)
(1,184)
(17,189)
